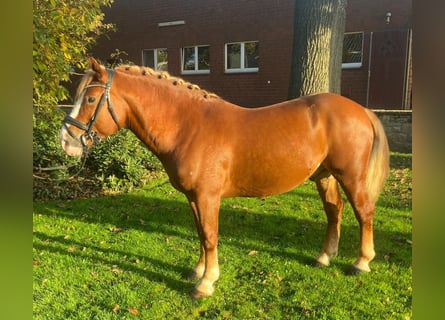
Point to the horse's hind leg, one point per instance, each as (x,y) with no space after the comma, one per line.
(363,207)
(333,206)
(364,212)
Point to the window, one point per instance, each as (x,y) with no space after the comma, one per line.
(156,59)
(352,50)
(195,60)
(242,56)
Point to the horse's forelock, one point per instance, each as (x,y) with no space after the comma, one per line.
(86,80)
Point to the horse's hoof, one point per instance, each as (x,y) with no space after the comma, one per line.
(203,289)
(322,260)
(196,294)
(320,265)
(354,271)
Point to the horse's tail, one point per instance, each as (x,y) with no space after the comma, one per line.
(378,167)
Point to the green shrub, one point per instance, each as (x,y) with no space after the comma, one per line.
(116,164)
(121,161)
(47,151)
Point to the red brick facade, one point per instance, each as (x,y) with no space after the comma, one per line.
(218,22)
(369,16)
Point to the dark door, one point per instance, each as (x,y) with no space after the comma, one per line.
(388,68)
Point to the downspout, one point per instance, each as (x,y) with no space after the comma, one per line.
(369,68)
(407,75)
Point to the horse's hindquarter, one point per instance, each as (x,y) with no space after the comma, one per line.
(275,148)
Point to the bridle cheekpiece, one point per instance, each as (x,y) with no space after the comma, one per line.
(89,133)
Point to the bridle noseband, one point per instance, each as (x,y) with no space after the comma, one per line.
(89,134)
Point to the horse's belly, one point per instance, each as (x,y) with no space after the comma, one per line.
(263,185)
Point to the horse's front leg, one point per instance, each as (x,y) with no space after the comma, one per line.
(198,271)
(206,212)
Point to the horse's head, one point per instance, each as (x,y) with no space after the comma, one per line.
(89,120)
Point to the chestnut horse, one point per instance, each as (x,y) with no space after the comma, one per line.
(212,149)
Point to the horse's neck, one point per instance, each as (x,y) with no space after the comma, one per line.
(159,115)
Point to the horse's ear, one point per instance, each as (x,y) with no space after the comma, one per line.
(97,68)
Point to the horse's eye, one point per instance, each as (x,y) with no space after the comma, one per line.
(91,99)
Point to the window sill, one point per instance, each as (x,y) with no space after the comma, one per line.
(192,72)
(354,65)
(250,70)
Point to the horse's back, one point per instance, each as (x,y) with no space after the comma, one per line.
(308,124)
(276,148)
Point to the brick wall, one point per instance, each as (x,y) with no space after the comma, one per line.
(217,22)
(398,128)
(367,16)
(224,21)
(370,16)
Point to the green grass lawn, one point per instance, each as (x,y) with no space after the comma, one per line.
(127,256)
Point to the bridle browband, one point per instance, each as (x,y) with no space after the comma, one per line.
(88,128)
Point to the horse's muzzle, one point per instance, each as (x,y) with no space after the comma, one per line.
(71,146)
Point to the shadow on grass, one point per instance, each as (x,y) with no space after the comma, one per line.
(400,160)
(288,237)
(99,255)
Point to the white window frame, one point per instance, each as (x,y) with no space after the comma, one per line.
(242,68)
(196,71)
(355,65)
(155,57)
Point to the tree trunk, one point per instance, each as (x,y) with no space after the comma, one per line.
(317,49)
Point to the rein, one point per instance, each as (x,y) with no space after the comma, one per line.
(61,167)
(89,133)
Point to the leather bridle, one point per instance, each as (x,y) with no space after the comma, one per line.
(89,133)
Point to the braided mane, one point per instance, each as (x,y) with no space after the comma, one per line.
(164,75)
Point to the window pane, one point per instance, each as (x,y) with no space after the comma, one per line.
(162,60)
(234,56)
(203,58)
(251,55)
(148,58)
(352,48)
(188,56)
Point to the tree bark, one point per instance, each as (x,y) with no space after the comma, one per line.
(319,27)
